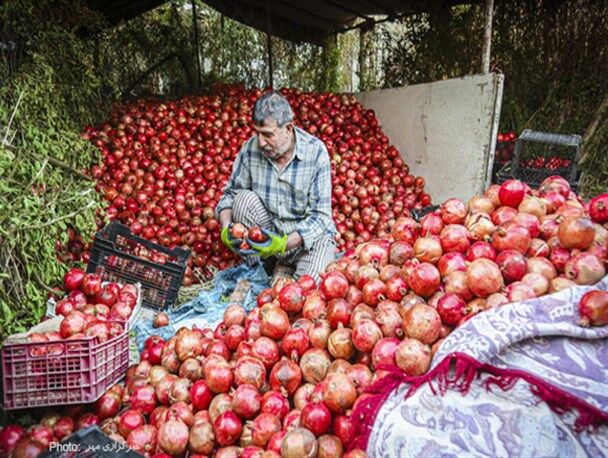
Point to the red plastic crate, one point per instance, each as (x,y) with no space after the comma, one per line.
(71,372)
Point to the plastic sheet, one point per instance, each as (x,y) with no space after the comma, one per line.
(208,308)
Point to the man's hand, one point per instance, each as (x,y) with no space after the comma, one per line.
(274,245)
(227,239)
(234,244)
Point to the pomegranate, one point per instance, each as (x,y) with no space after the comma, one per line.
(422,322)
(246,401)
(480,226)
(431,224)
(584,269)
(480,204)
(275,403)
(91,284)
(339,394)
(107,406)
(520,291)
(598,208)
(455,237)
(413,357)
(234,315)
(129,420)
(424,279)
(319,333)
(249,370)
(576,232)
(266,350)
(344,429)
(400,252)
(481,250)
(299,443)
(219,376)
(451,309)
(559,257)
(143,439)
(291,298)
(295,343)
(593,308)
(365,274)
(512,264)
(274,321)
(453,211)
(542,266)
(365,334)
(200,395)
(533,205)
(513,236)
(315,307)
(384,351)
(329,446)
(406,229)
(334,285)
(484,277)
(263,428)
(538,248)
(373,292)
(555,183)
(227,427)
(390,322)
(28,448)
(427,249)
(201,439)
(511,193)
(496,300)
(73,279)
(538,282)
(451,262)
(316,417)
(285,374)
(10,435)
(219,404)
(374,253)
(314,365)
(339,312)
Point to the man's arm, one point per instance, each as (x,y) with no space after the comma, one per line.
(225,217)
(311,229)
(294,240)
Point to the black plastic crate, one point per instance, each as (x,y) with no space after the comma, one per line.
(118,255)
(533,147)
(90,442)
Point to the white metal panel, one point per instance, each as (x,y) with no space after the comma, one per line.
(445,130)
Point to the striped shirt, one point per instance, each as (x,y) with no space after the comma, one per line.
(298,198)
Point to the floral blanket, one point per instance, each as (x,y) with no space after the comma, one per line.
(520,380)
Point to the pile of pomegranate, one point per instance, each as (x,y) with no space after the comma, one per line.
(91,308)
(87,293)
(165,165)
(284,379)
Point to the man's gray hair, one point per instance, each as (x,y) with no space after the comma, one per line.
(272,105)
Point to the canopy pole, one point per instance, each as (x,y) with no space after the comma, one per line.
(269,46)
(487,37)
(196,47)
(269,49)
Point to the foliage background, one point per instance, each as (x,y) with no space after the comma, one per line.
(65,68)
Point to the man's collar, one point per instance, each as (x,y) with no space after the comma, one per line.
(300,150)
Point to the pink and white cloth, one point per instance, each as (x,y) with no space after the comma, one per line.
(520,380)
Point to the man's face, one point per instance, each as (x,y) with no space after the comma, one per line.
(274,141)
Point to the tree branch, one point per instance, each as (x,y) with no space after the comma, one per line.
(591,130)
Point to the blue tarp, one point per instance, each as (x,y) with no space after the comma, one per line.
(208,308)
